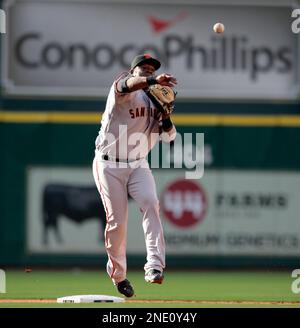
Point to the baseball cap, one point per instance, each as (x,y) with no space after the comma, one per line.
(145,59)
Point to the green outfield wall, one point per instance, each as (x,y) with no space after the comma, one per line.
(54,78)
(272,149)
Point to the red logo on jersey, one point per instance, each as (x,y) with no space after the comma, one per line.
(158,25)
(184,203)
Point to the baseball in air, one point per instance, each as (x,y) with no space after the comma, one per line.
(219,28)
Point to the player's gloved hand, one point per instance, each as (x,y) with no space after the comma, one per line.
(163,98)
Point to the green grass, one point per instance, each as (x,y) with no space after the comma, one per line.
(178,285)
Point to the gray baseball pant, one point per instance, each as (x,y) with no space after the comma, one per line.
(114,184)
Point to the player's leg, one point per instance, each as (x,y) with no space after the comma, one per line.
(142,188)
(111,184)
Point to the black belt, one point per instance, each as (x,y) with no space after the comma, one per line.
(115,159)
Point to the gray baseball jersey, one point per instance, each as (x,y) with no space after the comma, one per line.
(130,125)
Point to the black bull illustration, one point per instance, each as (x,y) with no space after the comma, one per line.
(76,203)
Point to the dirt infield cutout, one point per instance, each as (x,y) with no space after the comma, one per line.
(203,302)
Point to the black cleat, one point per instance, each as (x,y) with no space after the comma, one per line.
(154,276)
(125,288)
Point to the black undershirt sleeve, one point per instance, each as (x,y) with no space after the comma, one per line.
(167,124)
(122,85)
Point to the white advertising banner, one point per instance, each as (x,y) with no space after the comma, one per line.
(224,213)
(77,48)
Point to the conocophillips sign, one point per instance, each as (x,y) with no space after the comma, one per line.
(65,48)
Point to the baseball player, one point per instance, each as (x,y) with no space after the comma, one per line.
(120,167)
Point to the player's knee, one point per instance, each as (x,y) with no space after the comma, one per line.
(149,202)
(116,226)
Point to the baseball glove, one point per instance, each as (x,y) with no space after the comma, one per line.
(162,97)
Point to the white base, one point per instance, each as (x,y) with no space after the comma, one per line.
(90,299)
